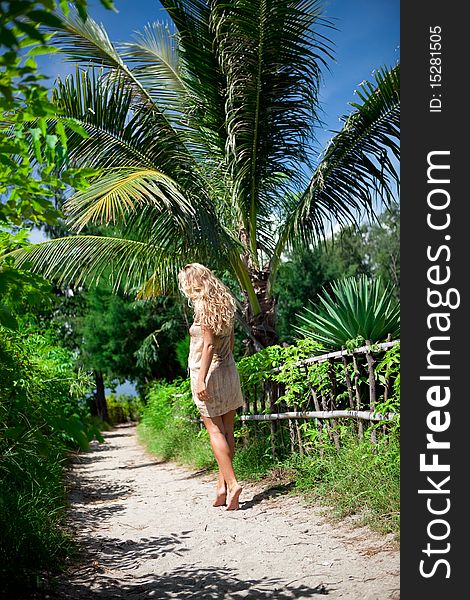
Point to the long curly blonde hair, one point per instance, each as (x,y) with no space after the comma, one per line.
(213,304)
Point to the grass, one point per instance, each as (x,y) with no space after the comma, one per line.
(357,481)
(32,537)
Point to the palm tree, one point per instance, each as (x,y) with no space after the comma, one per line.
(201,132)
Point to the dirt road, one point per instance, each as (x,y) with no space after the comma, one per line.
(149,531)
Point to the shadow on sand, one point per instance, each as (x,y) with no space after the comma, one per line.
(109,572)
(272,492)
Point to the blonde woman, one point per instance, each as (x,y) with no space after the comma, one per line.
(215,382)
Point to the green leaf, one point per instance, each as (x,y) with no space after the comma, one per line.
(51,142)
(29,30)
(109,4)
(60,130)
(42,124)
(31,63)
(7,319)
(64,6)
(74,125)
(7,37)
(45,18)
(39,50)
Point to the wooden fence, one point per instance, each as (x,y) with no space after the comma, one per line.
(352,392)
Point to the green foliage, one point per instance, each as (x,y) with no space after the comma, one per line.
(33,145)
(253,460)
(43,416)
(298,380)
(182,352)
(42,398)
(372,250)
(382,245)
(360,480)
(258,368)
(305,273)
(128,339)
(20,290)
(33,142)
(123,408)
(355,307)
(169,425)
(388,370)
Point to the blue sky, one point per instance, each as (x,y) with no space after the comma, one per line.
(367,37)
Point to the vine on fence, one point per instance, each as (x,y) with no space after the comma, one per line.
(326,387)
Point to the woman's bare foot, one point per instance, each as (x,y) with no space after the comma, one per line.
(233,496)
(220,498)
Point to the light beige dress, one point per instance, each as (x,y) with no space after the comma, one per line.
(222,381)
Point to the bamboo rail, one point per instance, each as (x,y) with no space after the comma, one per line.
(340,353)
(365,415)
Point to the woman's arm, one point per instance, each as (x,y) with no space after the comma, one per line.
(232,339)
(206,359)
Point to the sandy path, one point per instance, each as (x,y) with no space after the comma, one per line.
(150,532)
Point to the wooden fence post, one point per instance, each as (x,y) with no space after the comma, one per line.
(319,424)
(297,431)
(347,378)
(386,389)
(360,426)
(271,403)
(372,390)
(333,394)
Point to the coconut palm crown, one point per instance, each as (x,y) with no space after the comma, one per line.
(201,132)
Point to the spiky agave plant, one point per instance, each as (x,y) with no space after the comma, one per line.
(361,307)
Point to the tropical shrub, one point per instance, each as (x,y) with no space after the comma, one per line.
(43,415)
(123,408)
(170,425)
(356,309)
(328,378)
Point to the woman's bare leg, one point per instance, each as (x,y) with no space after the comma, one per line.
(221,493)
(228,420)
(223,455)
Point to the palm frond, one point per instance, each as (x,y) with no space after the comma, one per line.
(85,259)
(272,60)
(200,70)
(87,43)
(154,59)
(103,109)
(118,192)
(119,135)
(357,169)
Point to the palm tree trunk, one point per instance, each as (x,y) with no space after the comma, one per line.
(262,325)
